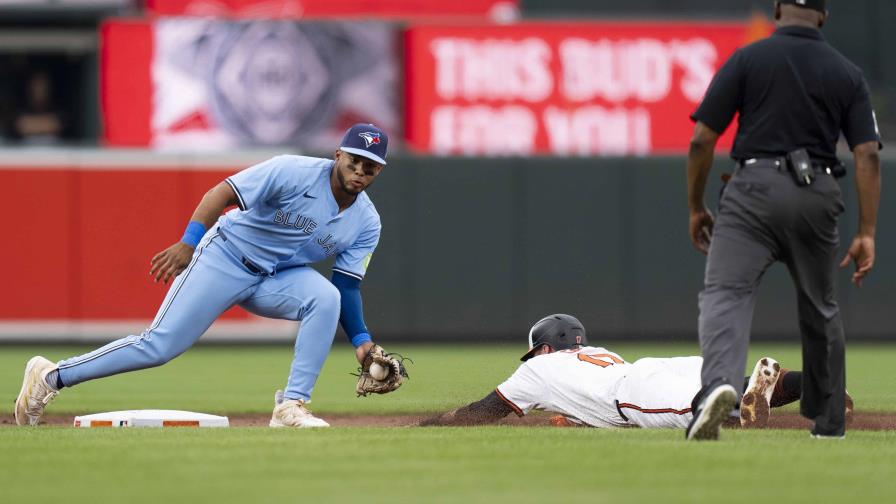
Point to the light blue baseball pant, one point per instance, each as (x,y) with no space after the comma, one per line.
(214,281)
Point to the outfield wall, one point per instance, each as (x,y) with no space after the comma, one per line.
(471,248)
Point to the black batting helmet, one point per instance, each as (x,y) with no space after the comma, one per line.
(818,5)
(559,330)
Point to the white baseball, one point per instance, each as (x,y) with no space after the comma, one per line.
(378,371)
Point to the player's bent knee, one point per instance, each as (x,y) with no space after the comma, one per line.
(328,298)
(323,305)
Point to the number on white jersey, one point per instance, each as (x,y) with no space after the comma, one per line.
(601,359)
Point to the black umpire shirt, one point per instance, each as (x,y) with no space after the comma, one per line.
(792,90)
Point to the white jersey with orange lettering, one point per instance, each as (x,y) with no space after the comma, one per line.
(597,387)
(579,384)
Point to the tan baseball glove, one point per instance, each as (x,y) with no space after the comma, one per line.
(396,376)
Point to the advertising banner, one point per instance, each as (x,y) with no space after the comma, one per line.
(620,88)
(63,5)
(93,284)
(215,85)
(293,9)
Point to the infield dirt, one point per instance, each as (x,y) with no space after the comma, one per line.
(873,421)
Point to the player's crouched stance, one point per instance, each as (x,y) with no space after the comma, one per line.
(592,386)
(292,211)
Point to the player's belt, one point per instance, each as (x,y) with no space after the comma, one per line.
(256,270)
(619,410)
(251,267)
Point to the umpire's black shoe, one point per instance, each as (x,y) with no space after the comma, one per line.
(818,433)
(711,407)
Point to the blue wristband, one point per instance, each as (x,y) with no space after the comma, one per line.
(193,234)
(360,339)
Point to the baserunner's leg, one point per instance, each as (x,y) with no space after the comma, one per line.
(657,393)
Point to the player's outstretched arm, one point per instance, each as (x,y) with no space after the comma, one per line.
(168,263)
(488,410)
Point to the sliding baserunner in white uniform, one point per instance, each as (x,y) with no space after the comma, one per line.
(595,387)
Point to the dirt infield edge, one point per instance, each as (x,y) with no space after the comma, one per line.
(871,421)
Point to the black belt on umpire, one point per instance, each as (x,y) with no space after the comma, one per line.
(835,170)
(252,267)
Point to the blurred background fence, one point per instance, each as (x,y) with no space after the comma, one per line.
(536,165)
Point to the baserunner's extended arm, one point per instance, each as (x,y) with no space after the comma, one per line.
(487,410)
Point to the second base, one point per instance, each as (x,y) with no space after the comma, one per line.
(151,418)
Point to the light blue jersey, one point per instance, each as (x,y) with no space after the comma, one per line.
(288,216)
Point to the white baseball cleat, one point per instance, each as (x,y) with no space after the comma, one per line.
(35,393)
(711,412)
(292,413)
(754,405)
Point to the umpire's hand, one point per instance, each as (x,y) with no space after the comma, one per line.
(168,263)
(861,251)
(700,227)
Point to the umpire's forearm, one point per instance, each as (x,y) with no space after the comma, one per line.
(700,155)
(213,204)
(867,186)
(698,172)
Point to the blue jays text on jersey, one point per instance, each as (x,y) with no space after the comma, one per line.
(307,225)
(301,222)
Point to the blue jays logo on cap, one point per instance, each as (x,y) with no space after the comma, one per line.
(366,140)
(370,138)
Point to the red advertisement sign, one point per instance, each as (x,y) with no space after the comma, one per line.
(502,10)
(562,89)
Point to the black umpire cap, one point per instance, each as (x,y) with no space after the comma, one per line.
(809,4)
(560,331)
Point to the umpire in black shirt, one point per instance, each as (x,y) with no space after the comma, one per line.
(795,94)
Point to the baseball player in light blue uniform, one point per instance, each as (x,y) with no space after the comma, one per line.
(291,211)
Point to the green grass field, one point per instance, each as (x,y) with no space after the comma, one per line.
(490,464)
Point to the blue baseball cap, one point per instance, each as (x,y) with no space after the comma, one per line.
(366,140)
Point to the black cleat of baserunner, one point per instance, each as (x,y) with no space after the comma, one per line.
(711,408)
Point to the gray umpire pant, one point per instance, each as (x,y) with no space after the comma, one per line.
(764,217)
